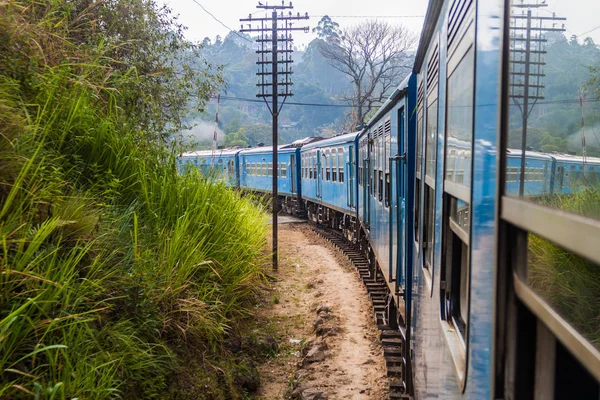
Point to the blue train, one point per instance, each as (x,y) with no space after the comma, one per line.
(490,253)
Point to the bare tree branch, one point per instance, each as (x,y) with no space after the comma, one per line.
(375,56)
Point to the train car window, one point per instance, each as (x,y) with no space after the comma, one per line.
(284,170)
(370,164)
(418,186)
(327,164)
(455,262)
(270,169)
(381,160)
(431,118)
(306,163)
(303,169)
(553,229)
(387,151)
(341,164)
(334,163)
(430,139)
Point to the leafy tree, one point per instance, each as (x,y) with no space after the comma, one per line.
(237,139)
(328,30)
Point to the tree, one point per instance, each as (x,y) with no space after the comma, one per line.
(328,30)
(375,55)
(236,139)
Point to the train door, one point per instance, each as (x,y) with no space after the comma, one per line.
(398,211)
(231,172)
(319,174)
(293,172)
(350,177)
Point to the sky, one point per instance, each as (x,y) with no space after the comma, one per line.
(409,13)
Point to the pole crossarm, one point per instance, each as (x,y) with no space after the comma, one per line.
(527,38)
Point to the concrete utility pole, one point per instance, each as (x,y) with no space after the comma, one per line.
(527,63)
(268,76)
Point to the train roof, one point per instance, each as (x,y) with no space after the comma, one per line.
(529,154)
(576,159)
(389,103)
(303,142)
(267,150)
(209,153)
(339,139)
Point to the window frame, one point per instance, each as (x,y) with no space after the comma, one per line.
(573,233)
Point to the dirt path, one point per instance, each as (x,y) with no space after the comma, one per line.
(329,348)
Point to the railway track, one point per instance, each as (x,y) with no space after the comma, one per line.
(377,289)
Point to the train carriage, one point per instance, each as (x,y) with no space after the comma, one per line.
(572,173)
(458,69)
(386,165)
(490,253)
(329,180)
(221,164)
(538,176)
(256,174)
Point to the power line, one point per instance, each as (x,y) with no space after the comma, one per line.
(287,102)
(370,16)
(219,21)
(567,101)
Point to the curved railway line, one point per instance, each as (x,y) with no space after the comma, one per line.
(378,291)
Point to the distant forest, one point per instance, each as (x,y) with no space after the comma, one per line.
(555,123)
(244,123)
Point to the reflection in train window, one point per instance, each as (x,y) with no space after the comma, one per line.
(551,157)
(570,284)
(460,121)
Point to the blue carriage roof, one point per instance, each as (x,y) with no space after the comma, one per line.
(512,153)
(266,150)
(575,159)
(209,153)
(334,141)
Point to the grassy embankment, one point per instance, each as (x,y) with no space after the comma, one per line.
(568,282)
(118,278)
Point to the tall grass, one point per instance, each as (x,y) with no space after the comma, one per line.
(114,269)
(570,283)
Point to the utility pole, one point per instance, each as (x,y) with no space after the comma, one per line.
(280,52)
(527,61)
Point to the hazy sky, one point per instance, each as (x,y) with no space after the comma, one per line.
(582,15)
(201,24)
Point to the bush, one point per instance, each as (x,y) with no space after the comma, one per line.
(114,269)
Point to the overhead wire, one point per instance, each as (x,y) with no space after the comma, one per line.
(221,22)
(370,16)
(231,98)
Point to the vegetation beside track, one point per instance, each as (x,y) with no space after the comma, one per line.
(119,278)
(568,282)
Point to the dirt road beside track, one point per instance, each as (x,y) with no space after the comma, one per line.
(329,345)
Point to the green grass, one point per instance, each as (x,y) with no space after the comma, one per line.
(570,283)
(115,271)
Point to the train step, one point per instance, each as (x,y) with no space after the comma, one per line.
(398,396)
(397,386)
(392,351)
(390,334)
(392,341)
(393,361)
(394,372)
